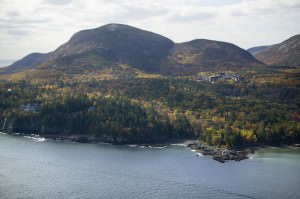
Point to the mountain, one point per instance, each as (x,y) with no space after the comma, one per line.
(286,53)
(28,62)
(258,49)
(114,45)
(202,54)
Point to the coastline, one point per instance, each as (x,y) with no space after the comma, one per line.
(104,139)
(223,155)
(220,154)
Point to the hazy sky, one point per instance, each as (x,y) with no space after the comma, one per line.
(42,25)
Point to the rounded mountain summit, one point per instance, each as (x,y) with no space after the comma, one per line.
(117,43)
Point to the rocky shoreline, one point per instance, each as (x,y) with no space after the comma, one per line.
(219,154)
(93,139)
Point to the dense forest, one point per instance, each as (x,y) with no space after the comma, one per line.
(156,109)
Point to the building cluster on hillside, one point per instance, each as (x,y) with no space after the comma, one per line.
(29,107)
(219,76)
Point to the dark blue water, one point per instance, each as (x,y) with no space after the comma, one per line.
(49,169)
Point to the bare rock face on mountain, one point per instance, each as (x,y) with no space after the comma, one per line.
(286,53)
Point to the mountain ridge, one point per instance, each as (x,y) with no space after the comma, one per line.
(117,44)
(286,53)
(258,49)
(30,61)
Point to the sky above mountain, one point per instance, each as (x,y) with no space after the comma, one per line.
(42,25)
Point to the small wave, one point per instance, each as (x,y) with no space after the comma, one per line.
(199,154)
(35,138)
(181,144)
(104,143)
(193,150)
(39,139)
(3,133)
(157,147)
(133,145)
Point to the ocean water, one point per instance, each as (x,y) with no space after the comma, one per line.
(38,168)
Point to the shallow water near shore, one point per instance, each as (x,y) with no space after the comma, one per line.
(51,169)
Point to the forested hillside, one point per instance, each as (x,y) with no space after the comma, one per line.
(121,84)
(261,108)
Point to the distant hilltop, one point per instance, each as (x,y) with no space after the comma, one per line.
(286,53)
